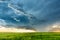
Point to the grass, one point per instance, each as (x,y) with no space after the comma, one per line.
(30,36)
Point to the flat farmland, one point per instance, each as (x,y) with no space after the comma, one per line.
(30,36)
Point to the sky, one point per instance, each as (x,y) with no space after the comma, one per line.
(41,15)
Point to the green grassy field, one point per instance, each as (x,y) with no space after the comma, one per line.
(30,36)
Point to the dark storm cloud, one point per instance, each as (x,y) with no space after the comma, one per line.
(38,13)
(47,11)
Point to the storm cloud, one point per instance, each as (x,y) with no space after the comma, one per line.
(38,14)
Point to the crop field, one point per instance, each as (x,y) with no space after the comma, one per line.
(30,36)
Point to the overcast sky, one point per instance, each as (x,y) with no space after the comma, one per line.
(38,14)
